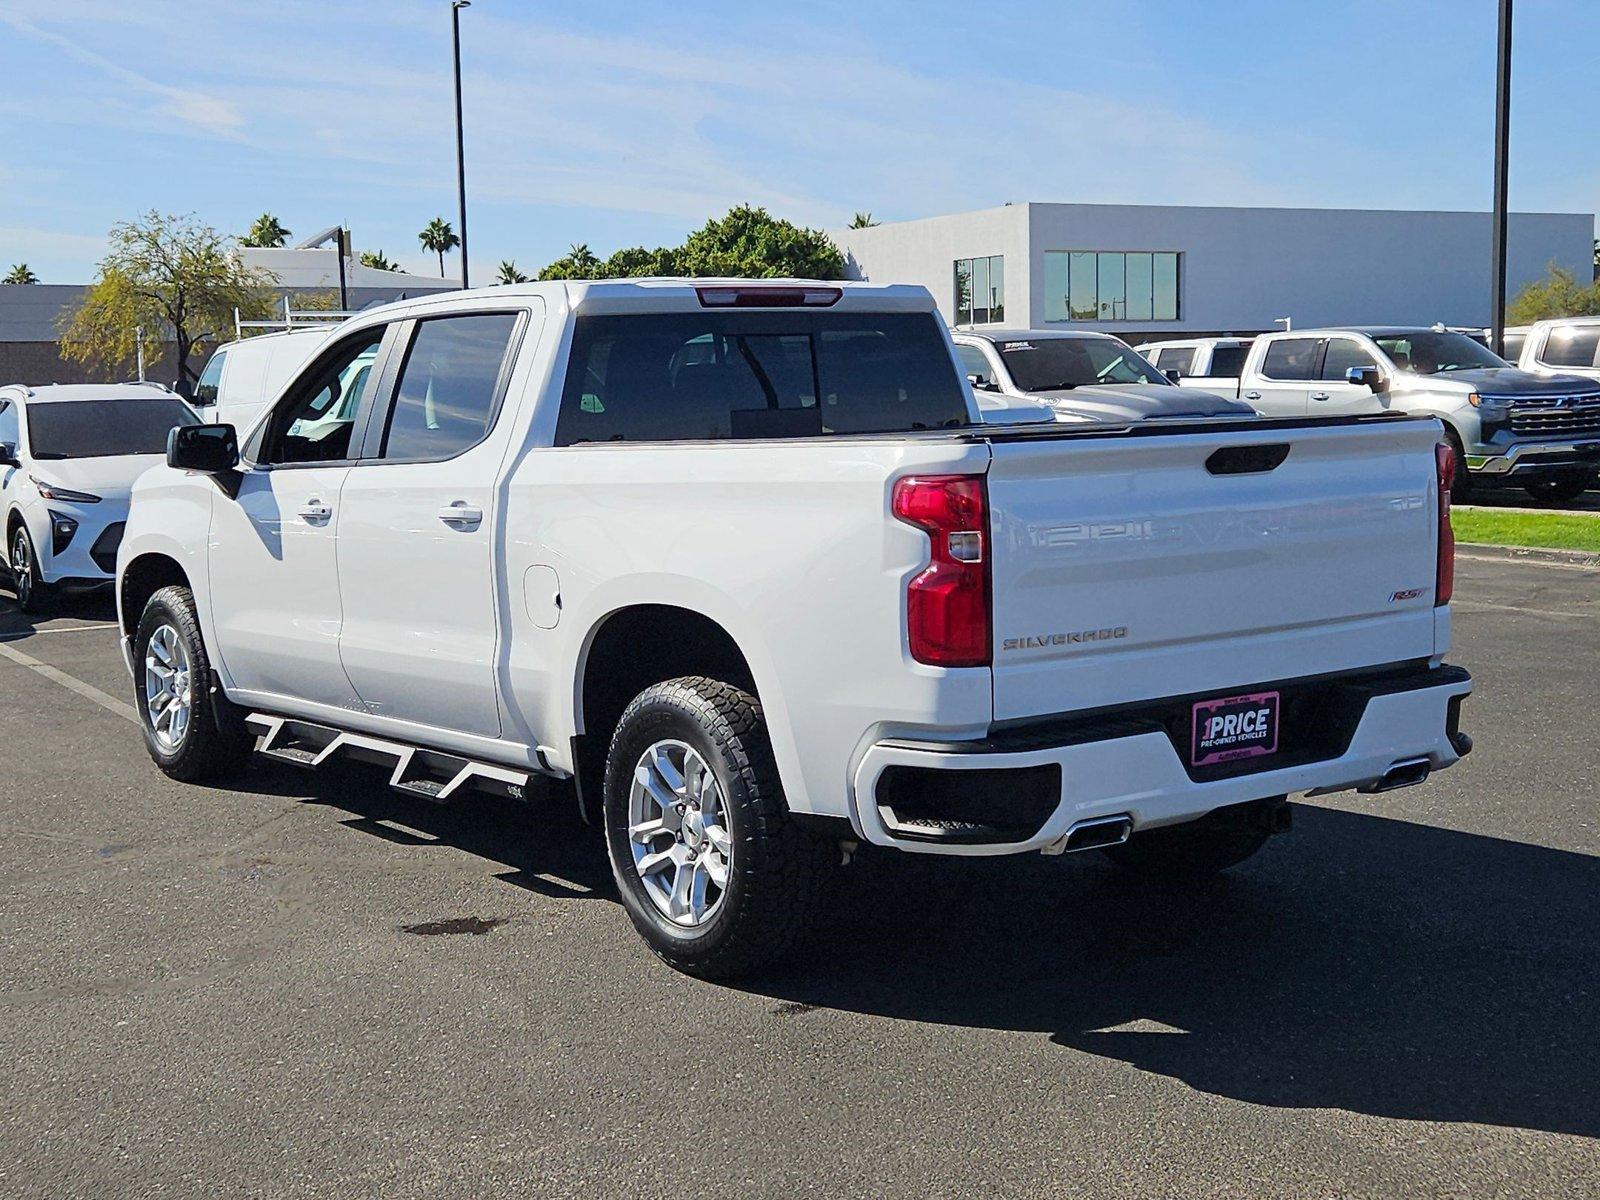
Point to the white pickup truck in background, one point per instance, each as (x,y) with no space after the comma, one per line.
(741,561)
(1212,364)
(1079,377)
(1566,346)
(1537,429)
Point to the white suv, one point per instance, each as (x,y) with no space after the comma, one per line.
(69,454)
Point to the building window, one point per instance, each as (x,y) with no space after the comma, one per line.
(1110,285)
(980,290)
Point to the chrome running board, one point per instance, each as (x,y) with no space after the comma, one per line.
(430,774)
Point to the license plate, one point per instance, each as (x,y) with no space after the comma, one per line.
(1234,727)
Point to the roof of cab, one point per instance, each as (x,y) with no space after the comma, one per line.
(653,293)
(1031,335)
(53,393)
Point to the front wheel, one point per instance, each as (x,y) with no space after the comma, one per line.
(33,593)
(1560,489)
(712,872)
(190,734)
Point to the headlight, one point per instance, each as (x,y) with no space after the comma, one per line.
(51,492)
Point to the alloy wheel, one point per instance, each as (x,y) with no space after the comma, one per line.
(678,833)
(168,687)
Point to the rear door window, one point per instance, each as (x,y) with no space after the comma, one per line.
(736,375)
(1573,346)
(1291,359)
(449,386)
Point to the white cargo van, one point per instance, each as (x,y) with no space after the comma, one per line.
(242,376)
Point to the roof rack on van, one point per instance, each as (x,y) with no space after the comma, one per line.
(292,318)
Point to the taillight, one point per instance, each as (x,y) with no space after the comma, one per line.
(1444,584)
(947,605)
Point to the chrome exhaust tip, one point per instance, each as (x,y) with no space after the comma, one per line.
(1401,774)
(1096,833)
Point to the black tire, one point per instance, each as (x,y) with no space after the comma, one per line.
(34,595)
(215,742)
(1559,489)
(778,872)
(1195,849)
(1463,487)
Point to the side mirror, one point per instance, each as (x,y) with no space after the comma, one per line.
(1173,374)
(1367,377)
(208,449)
(184,388)
(8,455)
(983,385)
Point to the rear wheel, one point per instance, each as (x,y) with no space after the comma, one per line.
(33,593)
(1196,849)
(191,734)
(712,872)
(1560,489)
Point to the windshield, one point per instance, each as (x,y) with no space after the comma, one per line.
(1051,364)
(104,428)
(1431,353)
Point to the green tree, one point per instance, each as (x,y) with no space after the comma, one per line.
(175,278)
(21,273)
(508,273)
(1558,294)
(862,220)
(265,231)
(439,237)
(747,243)
(377,260)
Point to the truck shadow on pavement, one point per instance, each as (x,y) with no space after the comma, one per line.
(1360,963)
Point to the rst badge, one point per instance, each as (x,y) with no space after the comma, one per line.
(1234,727)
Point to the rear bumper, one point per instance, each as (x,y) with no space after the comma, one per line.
(1128,763)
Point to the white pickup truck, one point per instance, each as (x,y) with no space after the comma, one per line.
(1538,429)
(740,560)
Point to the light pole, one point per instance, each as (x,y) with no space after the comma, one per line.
(461,152)
(1502,144)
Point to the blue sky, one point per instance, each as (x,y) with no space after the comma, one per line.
(618,123)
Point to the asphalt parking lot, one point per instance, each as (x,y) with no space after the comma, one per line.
(311,985)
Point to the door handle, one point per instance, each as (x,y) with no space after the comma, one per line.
(1252,395)
(459,512)
(1319,395)
(315,510)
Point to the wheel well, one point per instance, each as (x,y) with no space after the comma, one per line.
(633,649)
(648,644)
(144,577)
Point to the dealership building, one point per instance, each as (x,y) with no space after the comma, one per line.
(1152,270)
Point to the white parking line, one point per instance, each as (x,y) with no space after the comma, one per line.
(23,636)
(87,690)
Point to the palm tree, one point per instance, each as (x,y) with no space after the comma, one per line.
(21,273)
(265,231)
(377,260)
(439,237)
(509,274)
(584,260)
(863,220)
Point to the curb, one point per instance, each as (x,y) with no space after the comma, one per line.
(1529,554)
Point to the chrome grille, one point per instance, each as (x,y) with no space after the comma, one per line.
(1568,416)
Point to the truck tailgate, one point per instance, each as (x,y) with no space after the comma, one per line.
(1126,569)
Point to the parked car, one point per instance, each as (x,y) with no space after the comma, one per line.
(1508,425)
(741,560)
(1566,346)
(69,454)
(1212,364)
(1083,377)
(241,377)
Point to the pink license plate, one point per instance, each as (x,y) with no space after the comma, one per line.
(1234,727)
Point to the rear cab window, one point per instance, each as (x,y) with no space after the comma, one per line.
(1227,362)
(718,376)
